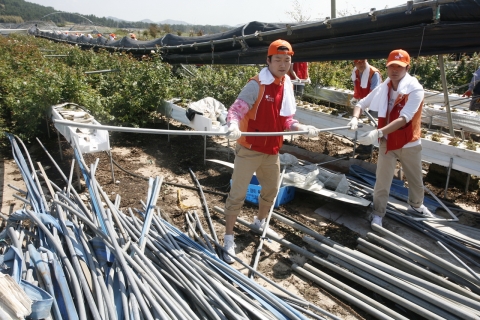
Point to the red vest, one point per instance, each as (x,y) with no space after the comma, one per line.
(301,70)
(409,132)
(358,91)
(264,117)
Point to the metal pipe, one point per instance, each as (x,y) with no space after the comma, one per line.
(96,278)
(343,291)
(201,241)
(248,282)
(70,177)
(184,133)
(381,273)
(232,291)
(415,304)
(395,260)
(427,254)
(445,94)
(204,235)
(64,178)
(61,254)
(76,265)
(102,71)
(165,284)
(412,279)
(398,299)
(448,177)
(274,284)
(150,210)
(130,276)
(43,272)
(473,273)
(178,271)
(265,228)
(423,261)
(205,206)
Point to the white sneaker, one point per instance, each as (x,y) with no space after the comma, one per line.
(423,211)
(229,246)
(376,220)
(261,223)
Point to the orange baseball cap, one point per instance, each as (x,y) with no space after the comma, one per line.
(400,57)
(273,48)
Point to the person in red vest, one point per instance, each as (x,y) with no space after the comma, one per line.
(399,102)
(299,71)
(365,78)
(474,87)
(265,104)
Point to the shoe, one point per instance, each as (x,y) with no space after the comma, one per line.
(376,220)
(261,223)
(229,246)
(422,211)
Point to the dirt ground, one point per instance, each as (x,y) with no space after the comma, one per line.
(137,156)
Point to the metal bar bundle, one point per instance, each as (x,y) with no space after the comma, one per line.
(113,265)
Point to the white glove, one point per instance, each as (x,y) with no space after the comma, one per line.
(233,132)
(353,123)
(308,81)
(353,102)
(312,131)
(368,138)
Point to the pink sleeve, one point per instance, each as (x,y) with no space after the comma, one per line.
(289,121)
(237,111)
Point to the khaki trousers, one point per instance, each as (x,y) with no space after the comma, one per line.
(411,160)
(267,168)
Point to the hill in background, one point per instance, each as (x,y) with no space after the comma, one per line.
(18,11)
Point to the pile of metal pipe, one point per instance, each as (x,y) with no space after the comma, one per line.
(406,284)
(93,261)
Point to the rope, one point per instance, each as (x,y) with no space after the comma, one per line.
(420,48)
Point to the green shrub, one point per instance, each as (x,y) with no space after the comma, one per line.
(31,83)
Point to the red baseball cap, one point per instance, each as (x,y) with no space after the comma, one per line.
(400,57)
(273,48)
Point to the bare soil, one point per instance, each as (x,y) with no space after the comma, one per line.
(138,156)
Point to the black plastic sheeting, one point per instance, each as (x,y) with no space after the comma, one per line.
(432,29)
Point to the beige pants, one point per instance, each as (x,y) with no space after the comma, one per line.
(411,160)
(267,168)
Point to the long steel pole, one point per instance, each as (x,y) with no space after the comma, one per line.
(265,228)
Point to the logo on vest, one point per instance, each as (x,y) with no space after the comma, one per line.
(269,98)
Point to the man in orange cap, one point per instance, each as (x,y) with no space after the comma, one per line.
(112,36)
(365,78)
(399,102)
(265,104)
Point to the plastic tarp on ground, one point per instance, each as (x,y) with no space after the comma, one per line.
(397,189)
(424,28)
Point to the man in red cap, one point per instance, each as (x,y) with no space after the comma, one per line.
(265,104)
(399,102)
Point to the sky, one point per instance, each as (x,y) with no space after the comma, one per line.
(215,12)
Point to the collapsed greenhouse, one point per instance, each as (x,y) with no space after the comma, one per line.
(81,256)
